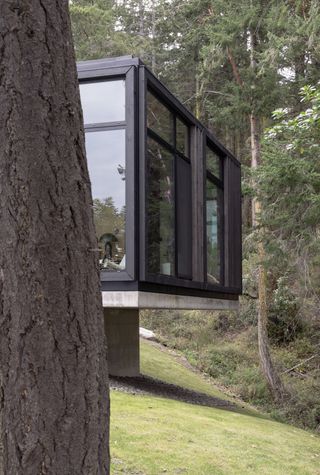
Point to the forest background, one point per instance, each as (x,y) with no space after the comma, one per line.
(249,70)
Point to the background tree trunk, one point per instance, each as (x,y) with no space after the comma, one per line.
(54,394)
(272,378)
(153,35)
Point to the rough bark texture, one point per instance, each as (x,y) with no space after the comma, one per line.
(235,69)
(271,376)
(54,395)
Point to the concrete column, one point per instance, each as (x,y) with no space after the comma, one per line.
(122,330)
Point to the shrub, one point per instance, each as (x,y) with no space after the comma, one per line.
(303,406)
(284,323)
(252,386)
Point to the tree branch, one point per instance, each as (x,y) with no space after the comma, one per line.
(246,294)
(235,69)
(299,364)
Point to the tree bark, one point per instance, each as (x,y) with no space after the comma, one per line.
(54,394)
(272,378)
(153,35)
(234,66)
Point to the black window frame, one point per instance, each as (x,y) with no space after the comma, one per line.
(135,276)
(128,74)
(219,183)
(176,154)
(147,83)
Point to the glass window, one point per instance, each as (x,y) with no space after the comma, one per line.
(160,210)
(213,162)
(184,218)
(213,232)
(182,139)
(159,118)
(103,101)
(106,162)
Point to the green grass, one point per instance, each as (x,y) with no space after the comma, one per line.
(152,435)
(161,365)
(167,367)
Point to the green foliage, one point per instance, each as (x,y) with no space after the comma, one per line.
(285,322)
(93,29)
(252,385)
(224,346)
(201,50)
(108,28)
(288,186)
(289,177)
(222,362)
(303,406)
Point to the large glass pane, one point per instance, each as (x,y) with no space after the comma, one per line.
(182,137)
(213,233)
(213,162)
(160,210)
(184,218)
(103,101)
(106,162)
(159,118)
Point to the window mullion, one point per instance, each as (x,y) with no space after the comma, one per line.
(175,195)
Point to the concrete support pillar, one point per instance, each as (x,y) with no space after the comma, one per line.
(122,330)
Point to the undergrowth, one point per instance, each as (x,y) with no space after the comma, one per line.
(224,346)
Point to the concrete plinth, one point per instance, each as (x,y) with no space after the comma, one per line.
(139,299)
(122,330)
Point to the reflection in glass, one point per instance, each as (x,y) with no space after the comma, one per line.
(213,231)
(213,162)
(103,101)
(159,118)
(184,217)
(160,210)
(182,138)
(106,162)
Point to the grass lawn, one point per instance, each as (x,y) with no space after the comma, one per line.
(166,367)
(152,435)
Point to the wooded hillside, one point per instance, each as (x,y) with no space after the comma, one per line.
(249,70)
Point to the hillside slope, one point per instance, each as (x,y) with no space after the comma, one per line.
(152,435)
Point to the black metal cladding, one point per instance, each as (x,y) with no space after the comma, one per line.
(182,193)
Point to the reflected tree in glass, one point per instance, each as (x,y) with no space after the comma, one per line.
(159,118)
(160,210)
(213,162)
(110,225)
(213,232)
(106,162)
(182,137)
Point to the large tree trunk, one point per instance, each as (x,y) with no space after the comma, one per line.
(54,394)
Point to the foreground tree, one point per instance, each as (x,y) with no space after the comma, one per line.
(54,404)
